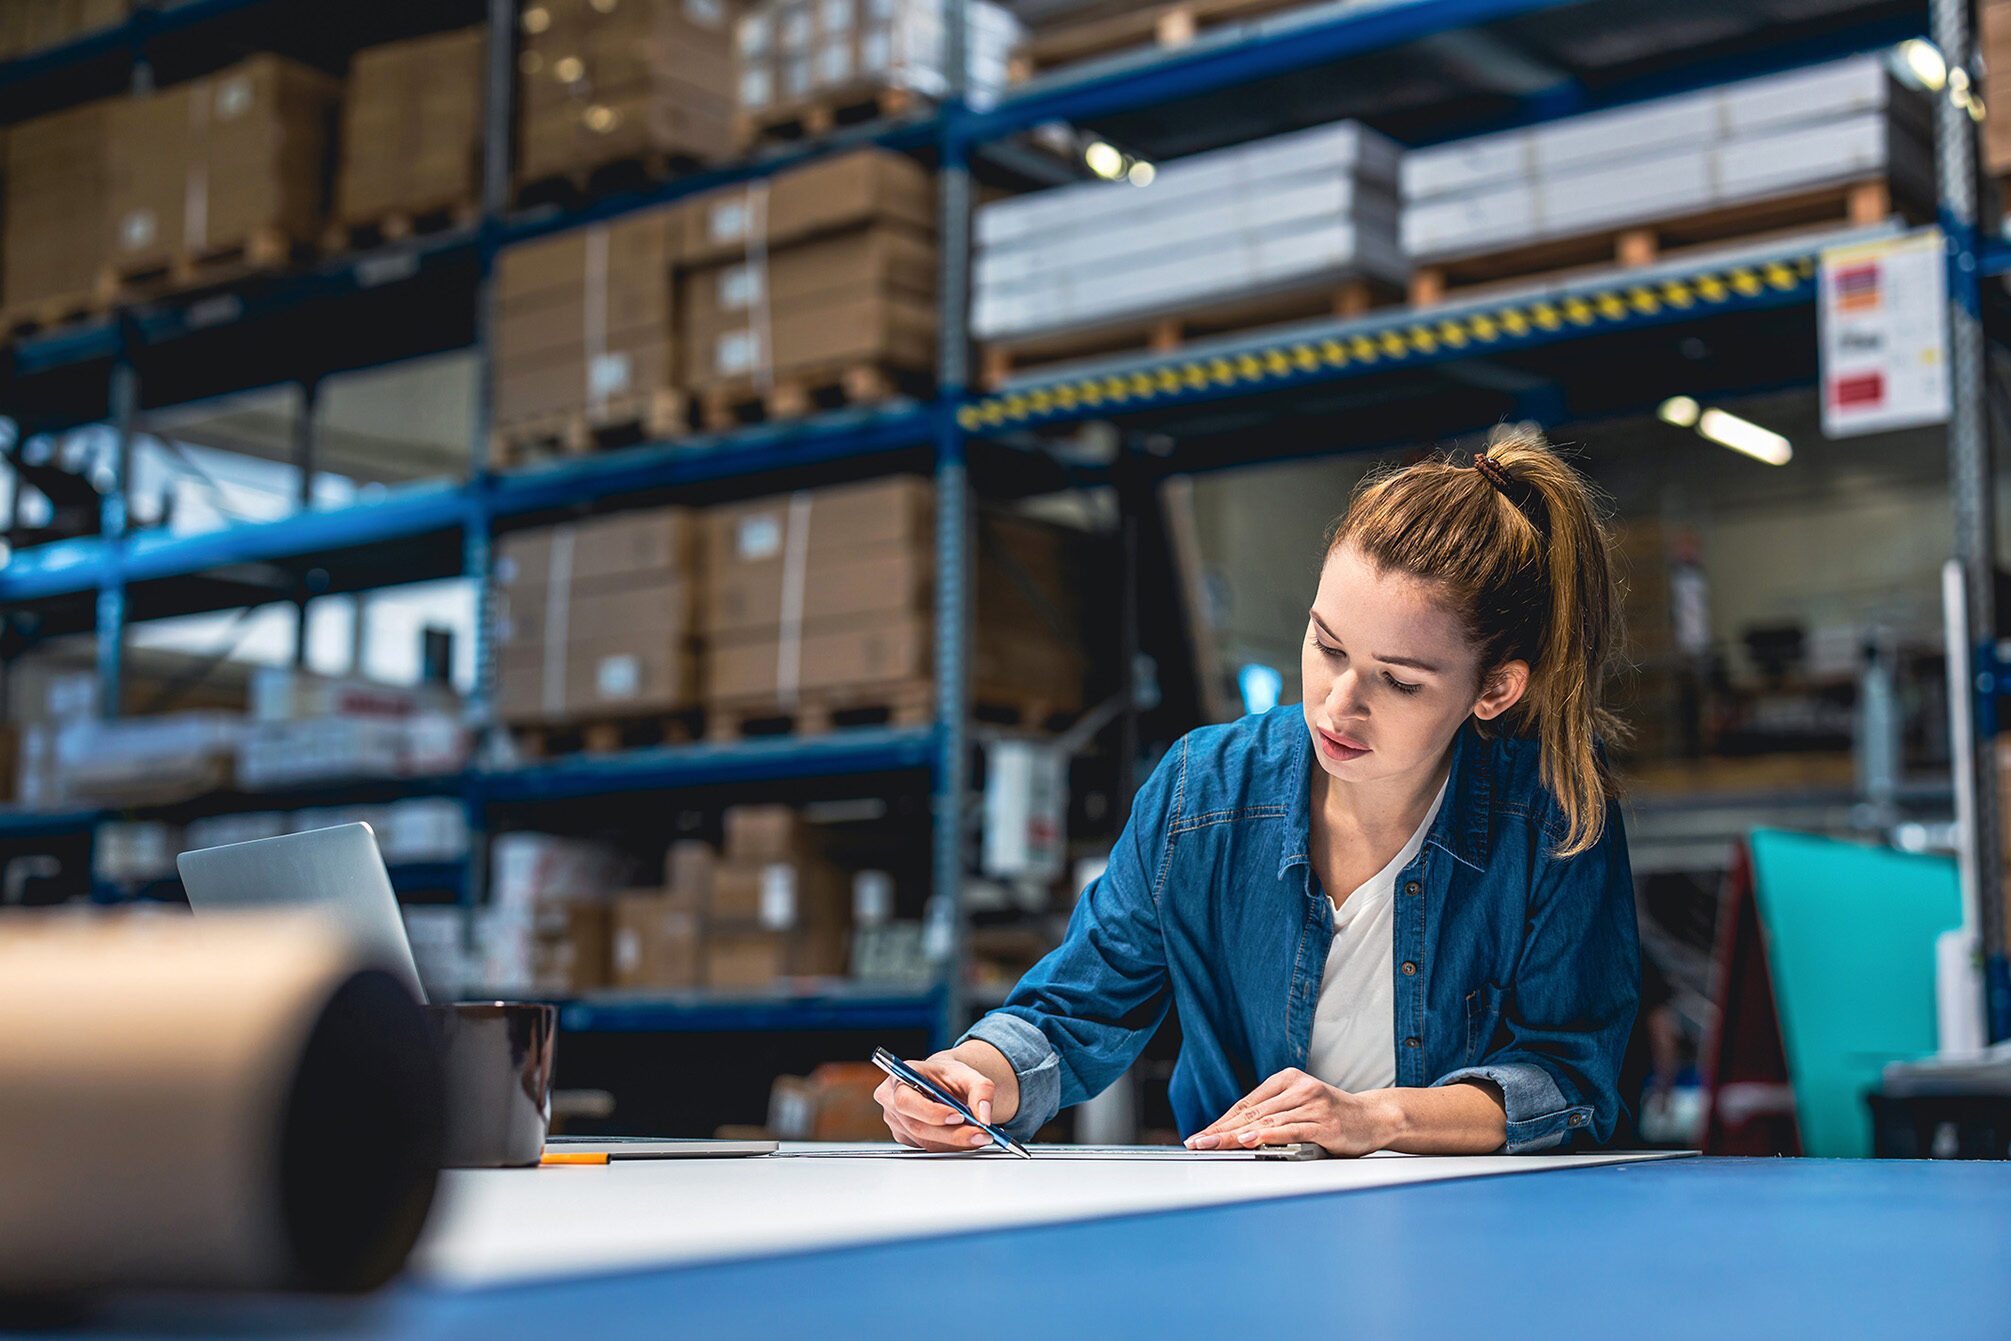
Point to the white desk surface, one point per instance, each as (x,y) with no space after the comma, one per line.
(503,1226)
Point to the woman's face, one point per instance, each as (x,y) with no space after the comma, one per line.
(1389,676)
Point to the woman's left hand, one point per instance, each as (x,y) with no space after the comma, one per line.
(1292,1106)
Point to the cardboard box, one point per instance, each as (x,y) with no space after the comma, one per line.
(58,189)
(412,127)
(825,196)
(653,607)
(658,941)
(653,541)
(745,960)
(878,258)
(758,833)
(748,960)
(688,868)
(897,509)
(779,895)
(600,83)
(623,676)
(220,162)
(584,317)
(867,580)
(570,946)
(887,650)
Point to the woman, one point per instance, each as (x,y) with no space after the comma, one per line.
(1399,916)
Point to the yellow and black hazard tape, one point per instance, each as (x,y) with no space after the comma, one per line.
(1407,336)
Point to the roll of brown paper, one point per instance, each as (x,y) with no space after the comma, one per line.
(237,1102)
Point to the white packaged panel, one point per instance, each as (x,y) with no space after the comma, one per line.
(1503,216)
(1622,193)
(1625,132)
(1284,205)
(1466,165)
(1343,149)
(1859,84)
(1807,157)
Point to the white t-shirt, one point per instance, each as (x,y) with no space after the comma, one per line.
(1354,1045)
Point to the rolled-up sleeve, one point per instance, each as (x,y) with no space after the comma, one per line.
(1081,1015)
(1556,1054)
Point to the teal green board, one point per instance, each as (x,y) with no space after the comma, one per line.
(1850,936)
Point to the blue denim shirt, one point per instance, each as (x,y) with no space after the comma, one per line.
(1509,964)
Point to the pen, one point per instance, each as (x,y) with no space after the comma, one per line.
(915,1080)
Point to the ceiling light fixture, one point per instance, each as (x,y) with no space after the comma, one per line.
(1681,411)
(1923,60)
(1743,435)
(1104,160)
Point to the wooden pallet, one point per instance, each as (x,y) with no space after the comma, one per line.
(621,422)
(606,735)
(893,703)
(803,392)
(574,186)
(1002,359)
(397,225)
(47,314)
(1856,203)
(810,118)
(263,251)
(1161,25)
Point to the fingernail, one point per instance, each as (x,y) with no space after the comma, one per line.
(985,1111)
(1248,1138)
(1205,1142)
(980,1138)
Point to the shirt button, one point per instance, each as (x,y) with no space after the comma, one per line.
(1411,888)
(1576,1120)
(1410,1043)
(1409,968)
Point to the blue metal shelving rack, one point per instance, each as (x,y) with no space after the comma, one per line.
(1151,99)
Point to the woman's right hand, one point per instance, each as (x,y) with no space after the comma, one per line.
(919,1121)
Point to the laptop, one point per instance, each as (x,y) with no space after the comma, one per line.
(340,872)
(337,871)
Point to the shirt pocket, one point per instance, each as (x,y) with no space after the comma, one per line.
(1483,1014)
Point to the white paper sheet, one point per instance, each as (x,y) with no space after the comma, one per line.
(510,1225)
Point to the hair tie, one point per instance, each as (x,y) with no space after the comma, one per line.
(1514,490)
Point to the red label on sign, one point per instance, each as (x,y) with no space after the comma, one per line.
(1858,391)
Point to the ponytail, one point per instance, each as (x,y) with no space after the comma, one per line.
(1517,547)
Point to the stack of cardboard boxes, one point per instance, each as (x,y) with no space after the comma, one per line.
(779,907)
(772,906)
(596,618)
(412,128)
(583,324)
(613,81)
(821,271)
(57,196)
(658,935)
(31,25)
(237,160)
(828,594)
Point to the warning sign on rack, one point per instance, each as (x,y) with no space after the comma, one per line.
(1883,333)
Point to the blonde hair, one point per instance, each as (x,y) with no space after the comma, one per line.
(1516,546)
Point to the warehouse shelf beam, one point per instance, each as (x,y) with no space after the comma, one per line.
(144,25)
(670,767)
(71,567)
(1294,40)
(697,1013)
(1747,279)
